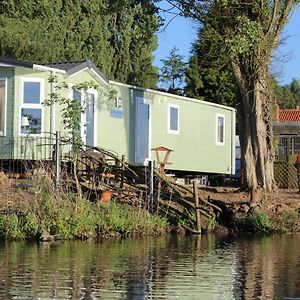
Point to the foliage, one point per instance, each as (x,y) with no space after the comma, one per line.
(286,222)
(286,96)
(208,75)
(65,216)
(172,72)
(10,227)
(258,222)
(118,36)
(211,223)
(248,32)
(72,107)
(125,219)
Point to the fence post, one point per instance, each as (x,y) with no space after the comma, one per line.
(122,170)
(151,185)
(197,208)
(57,159)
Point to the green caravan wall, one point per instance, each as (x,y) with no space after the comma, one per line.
(194,147)
(115,123)
(6,141)
(111,127)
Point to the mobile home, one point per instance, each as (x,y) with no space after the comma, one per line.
(135,120)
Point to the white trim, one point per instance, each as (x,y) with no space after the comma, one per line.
(32,105)
(10,65)
(172,95)
(233,149)
(46,69)
(98,76)
(5,105)
(172,131)
(53,108)
(95,93)
(94,73)
(217,124)
(83,114)
(147,102)
(75,73)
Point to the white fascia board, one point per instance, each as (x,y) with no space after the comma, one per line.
(94,73)
(6,65)
(173,96)
(45,68)
(98,76)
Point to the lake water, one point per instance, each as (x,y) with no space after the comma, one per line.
(153,268)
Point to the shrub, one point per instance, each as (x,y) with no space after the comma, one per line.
(10,227)
(258,222)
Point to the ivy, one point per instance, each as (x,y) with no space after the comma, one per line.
(248,35)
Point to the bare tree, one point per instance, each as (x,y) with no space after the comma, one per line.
(249,30)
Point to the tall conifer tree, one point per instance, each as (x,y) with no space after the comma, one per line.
(208,75)
(119,36)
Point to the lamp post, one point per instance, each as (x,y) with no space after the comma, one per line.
(162,157)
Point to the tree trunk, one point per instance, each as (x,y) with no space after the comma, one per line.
(255,130)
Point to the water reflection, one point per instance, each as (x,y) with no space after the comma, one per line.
(152,268)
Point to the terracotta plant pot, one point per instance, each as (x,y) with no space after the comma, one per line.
(105,197)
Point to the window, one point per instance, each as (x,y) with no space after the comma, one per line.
(282,147)
(173,118)
(295,145)
(31,106)
(2,106)
(220,120)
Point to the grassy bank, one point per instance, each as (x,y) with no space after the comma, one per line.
(44,213)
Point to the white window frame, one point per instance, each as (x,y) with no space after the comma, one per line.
(172,131)
(32,105)
(217,129)
(5,106)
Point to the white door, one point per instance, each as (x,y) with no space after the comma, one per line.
(87,119)
(142,130)
(90,120)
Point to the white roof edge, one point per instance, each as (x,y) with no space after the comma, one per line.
(45,68)
(98,76)
(75,73)
(173,95)
(6,65)
(89,69)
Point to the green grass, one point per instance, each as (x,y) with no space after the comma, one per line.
(66,216)
(258,222)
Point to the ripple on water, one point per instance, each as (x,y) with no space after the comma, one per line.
(153,268)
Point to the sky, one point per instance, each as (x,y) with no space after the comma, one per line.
(181,33)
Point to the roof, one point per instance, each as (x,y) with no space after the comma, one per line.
(184,98)
(72,67)
(15,63)
(67,65)
(289,115)
(68,68)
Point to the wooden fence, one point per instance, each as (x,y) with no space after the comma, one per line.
(285,175)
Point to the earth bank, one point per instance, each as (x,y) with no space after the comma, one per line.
(39,212)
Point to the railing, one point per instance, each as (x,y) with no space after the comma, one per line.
(26,148)
(20,153)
